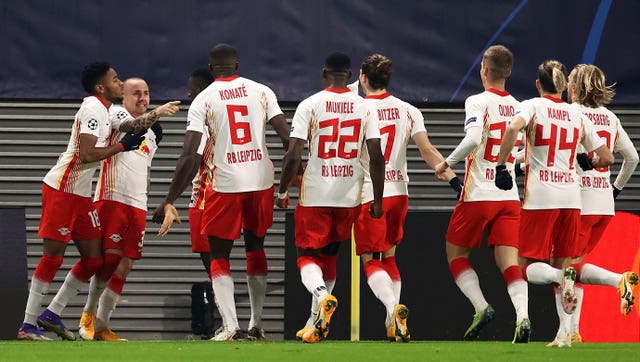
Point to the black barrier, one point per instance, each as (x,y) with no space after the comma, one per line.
(13,270)
(439,311)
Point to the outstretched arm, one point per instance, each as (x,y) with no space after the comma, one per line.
(432,156)
(148,119)
(290,165)
(279,124)
(376,169)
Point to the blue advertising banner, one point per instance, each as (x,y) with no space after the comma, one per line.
(436,46)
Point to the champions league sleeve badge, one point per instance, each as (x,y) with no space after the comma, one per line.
(93,124)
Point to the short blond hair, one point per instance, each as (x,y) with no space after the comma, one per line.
(499,60)
(591,89)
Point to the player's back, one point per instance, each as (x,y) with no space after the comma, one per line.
(597,197)
(235,111)
(492,110)
(398,122)
(553,132)
(334,124)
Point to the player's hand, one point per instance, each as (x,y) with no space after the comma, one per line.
(282,200)
(170,216)
(168,109)
(375,210)
(456,185)
(519,170)
(440,170)
(616,192)
(131,140)
(585,162)
(503,179)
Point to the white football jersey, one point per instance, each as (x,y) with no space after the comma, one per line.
(553,130)
(235,111)
(336,123)
(70,174)
(597,194)
(492,110)
(398,121)
(124,176)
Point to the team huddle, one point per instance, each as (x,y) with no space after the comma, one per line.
(356,178)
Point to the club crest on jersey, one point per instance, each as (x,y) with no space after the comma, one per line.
(470,120)
(92,124)
(64,231)
(116,238)
(121,115)
(144,148)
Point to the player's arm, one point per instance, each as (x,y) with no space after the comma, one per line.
(431,155)
(186,169)
(148,119)
(592,141)
(625,147)
(290,165)
(279,124)
(510,138)
(376,169)
(88,152)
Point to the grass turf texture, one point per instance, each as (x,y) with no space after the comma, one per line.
(325,351)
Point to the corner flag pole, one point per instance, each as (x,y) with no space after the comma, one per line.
(355,291)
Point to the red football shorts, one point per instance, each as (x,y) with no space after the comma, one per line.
(67,216)
(592,228)
(199,242)
(225,214)
(375,235)
(470,220)
(317,227)
(122,227)
(547,233)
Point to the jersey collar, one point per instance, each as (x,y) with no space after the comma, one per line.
(553,99)
(379,96)
(503,93)
(334,90)
(104,103)
(227,79)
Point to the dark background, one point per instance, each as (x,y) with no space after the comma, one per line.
(435,45)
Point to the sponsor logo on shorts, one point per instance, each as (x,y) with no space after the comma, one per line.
(64,231)
(115,238)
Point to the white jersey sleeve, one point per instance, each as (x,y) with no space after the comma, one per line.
(625,147)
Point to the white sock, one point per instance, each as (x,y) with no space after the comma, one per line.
(311,275)
(469,284)
(396,285)
(68,290)
(223,289)
(257,289)
(107,304)
(563,317)
(543,273)
(592,274)
(575,317)
(37,291)
(519,293)
(315,304)
(96,287)
(330,284)
(380,284)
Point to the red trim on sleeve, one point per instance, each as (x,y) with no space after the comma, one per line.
(503,93)
(334,90)
(553,99)
(379,96)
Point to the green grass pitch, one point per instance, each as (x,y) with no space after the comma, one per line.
(326,351)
